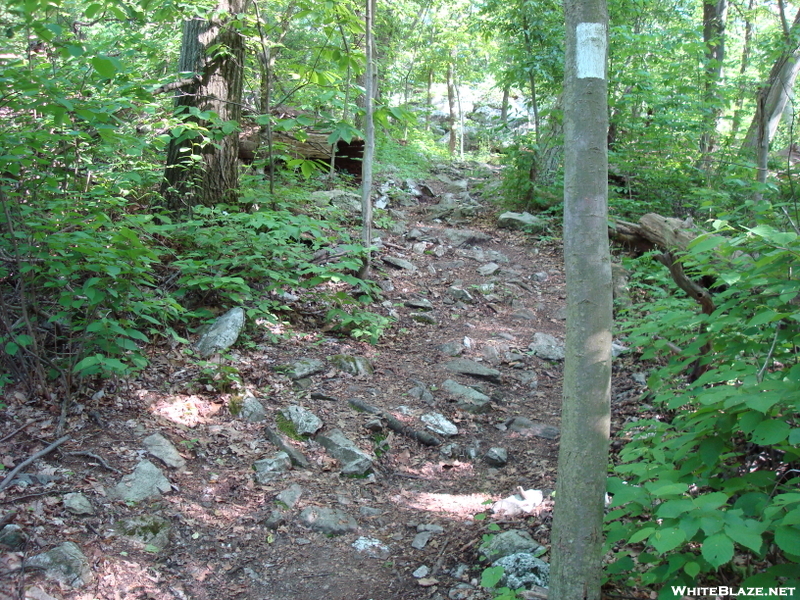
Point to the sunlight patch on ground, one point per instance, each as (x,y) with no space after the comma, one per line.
(461,507)
(185,410)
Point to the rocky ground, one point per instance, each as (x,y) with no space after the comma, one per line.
(310,465)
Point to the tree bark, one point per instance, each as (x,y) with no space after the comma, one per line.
(577,535)
(714,14)
(369,134)
(203,169)
(451,104)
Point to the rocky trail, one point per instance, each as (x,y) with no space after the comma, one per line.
(315,466)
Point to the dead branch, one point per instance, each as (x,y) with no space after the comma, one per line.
(10,477)
(395,425)
(97,458)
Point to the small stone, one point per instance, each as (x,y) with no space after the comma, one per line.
(13,537)
(528,427)
(359,366)
(304,367)
(65,564)
(419,304)
(149,532)
(290,496)
(423,318)
(439,424)
(267,469)
(496,457)
(399,263)
(541,276)
(513,220)
(640,378)
(451,348)
(488,269)
(252,410)
(547,347)
(163,450)
(305,422)
(523,314)
(491,355)
(146,481)
(460,294)
(469,367)
(372,548)
(421,571)
(330,521)
(421,540)
(222,334)
(78,504)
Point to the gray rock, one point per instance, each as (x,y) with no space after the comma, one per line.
(400,263)
(161,448)
(304,367)
(354,460)
(432,527)
(423,318)
(467,399)
(461,237)
(480,255)
(541,276)
(529,378)
(372,548)
(222,334)
(451,348)
(460,294)
(146,481)
(640,378)
(78,504)
(297,458)
(13,537)
(421,539)
(508,543)
(496,457)
(491,355)
(290,496)
(267,469)
(470,367)
(343,199)
(421,392)
(252,410)
(148,532)
(523,314)
(421,571)
(523,570)
(547,347)
(330,521)
(528,427)
(65,564)
(354,365)
(488,269)
(305,422)
(561,313)
(439,424)
(419,247)
(419,304)
(617,349)
(524,220)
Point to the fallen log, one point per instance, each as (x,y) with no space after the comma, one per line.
(395,424)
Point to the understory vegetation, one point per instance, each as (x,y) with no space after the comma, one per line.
(96,270)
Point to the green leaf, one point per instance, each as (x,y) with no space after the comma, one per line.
(787,537)
(105,67)
(667,538)
(674,508)
(771,432)
(642,534)
(491,576)
(692,568)
(718,549)
(745,536)
(12,349)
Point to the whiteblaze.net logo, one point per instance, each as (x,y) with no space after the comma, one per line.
(733,592)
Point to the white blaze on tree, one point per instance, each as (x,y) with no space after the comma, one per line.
(583,454)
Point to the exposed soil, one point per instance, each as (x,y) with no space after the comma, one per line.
(221,544)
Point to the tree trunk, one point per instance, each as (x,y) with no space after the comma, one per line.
(369,135)
(744,65)
(774,95)
(451,104)
(577,536)
(200,170)
(714,13)
(504,106)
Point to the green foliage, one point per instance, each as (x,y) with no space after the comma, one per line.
(718,478)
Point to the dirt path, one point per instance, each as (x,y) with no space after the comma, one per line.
(226,539)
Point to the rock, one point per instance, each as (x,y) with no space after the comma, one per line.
(372,548)
(13,537)
(354,365)
(419,304)
(297,458)
(421,571)
(305,367)
(496,457)
(491,355)
(640,378)
(518,505)
(528,427)
(421,539)
(460,294)
(267,469)
(461,237)
(541,277)
(290,496)
(451,348)
(305,422)
(547,347)
(421,392)
(561,313)
(469,367)
(424,318)
(354,461)
(399,263)
(432,527)
(529,378)
(65,564)
(508,543)
(343,199)
(439,424)
(37,593)
(523,570)
(222,334)
(146,481)
(488,269)
(619,285)
(617,349)
(252,410)
(524,220)
(467,399)
(329,521)
(78,504)
(147,532)
(162,449)
(523,314)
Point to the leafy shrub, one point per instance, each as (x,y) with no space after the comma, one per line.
(719,474)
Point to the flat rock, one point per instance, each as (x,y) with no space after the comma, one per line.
(148,532)
(528,427)
(524,220)
(267,469)
(78,504)
(354,365)
(423,318)
(496,457)
(304,367)
(467,399)
(399,263)
(438,423)
(252,410)
(65,563)
(523,571)
(451,348)
(508,543)
(305,422)
(419,304)
(547,347)
(470,367)
(162,449)
(330,521)
(488,269)
(146,481)
(354,460)
(290,496)
(462,237)
(372,548)
(460,294)
(222,334)
(297,458)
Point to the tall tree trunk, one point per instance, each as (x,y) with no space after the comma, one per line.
(451,104)
(504,106)
(745,64)
(714,13)
(429,100)
(369,134)
(775,93)
(577,535)
(205,171)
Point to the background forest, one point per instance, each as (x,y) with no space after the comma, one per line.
(128,220)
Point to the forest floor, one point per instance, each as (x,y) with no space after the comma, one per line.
(224,541)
